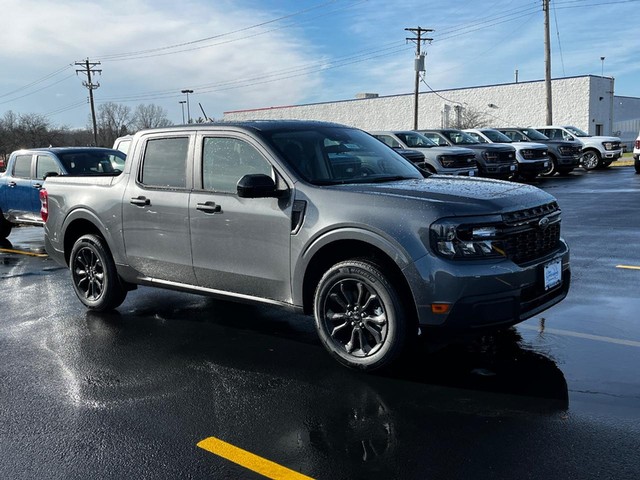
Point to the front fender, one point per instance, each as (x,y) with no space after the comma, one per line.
(389,247)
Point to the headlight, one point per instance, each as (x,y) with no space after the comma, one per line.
(607,145)
(460,241)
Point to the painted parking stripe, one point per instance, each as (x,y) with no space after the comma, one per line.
(22,252)
(248,460)
(588,336)
(628,267)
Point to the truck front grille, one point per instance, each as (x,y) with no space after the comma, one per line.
(532,233)
(459,161)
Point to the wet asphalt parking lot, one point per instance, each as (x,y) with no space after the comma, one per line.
(175,386)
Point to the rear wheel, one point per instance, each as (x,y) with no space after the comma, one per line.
(359,316)
(5,227)
(636,164)
(94,275)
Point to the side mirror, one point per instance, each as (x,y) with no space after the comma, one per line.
(256,185)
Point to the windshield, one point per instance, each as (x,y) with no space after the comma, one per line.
(92,162)
(334,155)
(460,138)
(534,134)
(415,140)
(496,136)
(577,132)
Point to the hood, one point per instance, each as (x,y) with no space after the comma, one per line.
(451,151)
(600,138)
(524,145)
(491,147)
(478,195)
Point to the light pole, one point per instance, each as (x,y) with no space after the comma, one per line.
(187,91)
(182,102)
(602,61)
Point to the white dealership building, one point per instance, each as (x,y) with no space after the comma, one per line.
(587,102)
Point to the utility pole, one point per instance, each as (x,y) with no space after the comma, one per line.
(547,61)
(419,65)
(88,70)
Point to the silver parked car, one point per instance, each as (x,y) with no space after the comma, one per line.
(441,160)
(533,158)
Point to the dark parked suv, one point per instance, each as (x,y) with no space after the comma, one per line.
(564,154)
(494,160)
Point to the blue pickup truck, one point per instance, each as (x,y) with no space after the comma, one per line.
(27,170)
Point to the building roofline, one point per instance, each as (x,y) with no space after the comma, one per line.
(405,94)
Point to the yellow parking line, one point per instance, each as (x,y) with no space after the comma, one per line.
(248,460)
(628,267)
(22,252)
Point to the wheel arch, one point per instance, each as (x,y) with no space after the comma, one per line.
(339,250)
(81,222)
(74,231)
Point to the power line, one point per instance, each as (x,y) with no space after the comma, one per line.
(149,53)
(35,82)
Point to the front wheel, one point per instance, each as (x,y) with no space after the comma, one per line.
(590,160)
(94,275)
(551,169)
(359,316)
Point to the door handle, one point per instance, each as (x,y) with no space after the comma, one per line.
(140,201)
(37,186)
(209,207)
(12,184)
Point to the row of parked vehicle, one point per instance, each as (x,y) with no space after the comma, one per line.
(506,153)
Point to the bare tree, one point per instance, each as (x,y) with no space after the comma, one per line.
(150,116)
(28,130)
(466,117)
(114,120)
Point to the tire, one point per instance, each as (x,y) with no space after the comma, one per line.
(590,160)
(553,168)
(5,227)
(359,316)
(94,275)
(636,164)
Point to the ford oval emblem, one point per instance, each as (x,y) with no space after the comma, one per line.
(543,223)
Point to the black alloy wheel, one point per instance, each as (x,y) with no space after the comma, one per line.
(94,275)
(359,317)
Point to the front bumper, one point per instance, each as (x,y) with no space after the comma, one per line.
(498,169)
(532,167)
(485,294)
(612,154)
(569,160)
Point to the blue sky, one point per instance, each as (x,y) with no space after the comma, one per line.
(260,53)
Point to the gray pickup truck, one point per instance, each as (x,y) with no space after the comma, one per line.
(316,217)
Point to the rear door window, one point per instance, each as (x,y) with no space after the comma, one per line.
(22,166)
(165,163)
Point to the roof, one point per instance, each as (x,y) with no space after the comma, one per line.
(256,125)
(57,150)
